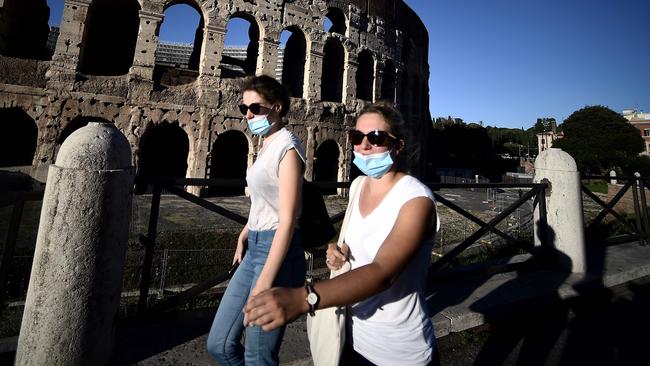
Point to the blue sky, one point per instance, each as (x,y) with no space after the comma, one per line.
(508,62)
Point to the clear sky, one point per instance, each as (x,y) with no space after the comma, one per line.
(509,62)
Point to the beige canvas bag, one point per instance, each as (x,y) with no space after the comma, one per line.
(326,329)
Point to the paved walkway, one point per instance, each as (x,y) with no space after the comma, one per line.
(457,305)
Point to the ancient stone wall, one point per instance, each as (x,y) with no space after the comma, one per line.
(66,92)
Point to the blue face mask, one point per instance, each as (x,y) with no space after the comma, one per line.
(259,125)
(374,165)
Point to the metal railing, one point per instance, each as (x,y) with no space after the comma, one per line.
(176,187)
(536,190)
(639,229)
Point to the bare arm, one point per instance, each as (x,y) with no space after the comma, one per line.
(242,244)
(289,195)
(278,306)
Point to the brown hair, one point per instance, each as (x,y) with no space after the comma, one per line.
(270,89)
(398,128)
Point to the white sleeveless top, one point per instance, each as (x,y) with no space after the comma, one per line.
(393,327)
(263,180)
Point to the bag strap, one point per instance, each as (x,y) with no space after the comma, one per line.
(348,212)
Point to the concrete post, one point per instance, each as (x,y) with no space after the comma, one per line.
(563,206)
(74,289)
(612,175)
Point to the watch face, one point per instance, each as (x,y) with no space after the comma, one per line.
(312,298)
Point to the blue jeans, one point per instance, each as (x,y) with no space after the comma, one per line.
(261,347)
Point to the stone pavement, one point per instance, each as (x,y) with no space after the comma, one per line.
(457,305)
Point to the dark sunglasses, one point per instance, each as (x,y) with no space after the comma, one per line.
(376,137)
(255,108)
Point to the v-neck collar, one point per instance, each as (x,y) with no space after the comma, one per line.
(390,191)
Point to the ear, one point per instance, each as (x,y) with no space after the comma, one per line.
(278,108)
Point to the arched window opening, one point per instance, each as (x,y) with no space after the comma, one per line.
(19,135)
(335,21)
(24,29)
(365,75)
(326,164)
(77,123)
(163,152)
(241,46)
(179,47)
(228,160)
(388,82)
(332,75)
(110,38)
(292,54)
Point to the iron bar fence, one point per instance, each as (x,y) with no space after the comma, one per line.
(164,272)
(609,226)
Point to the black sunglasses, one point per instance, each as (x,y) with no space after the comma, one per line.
(376,137)
(255,108)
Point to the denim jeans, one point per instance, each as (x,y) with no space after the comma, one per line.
(261,347)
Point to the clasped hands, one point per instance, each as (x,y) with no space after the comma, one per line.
(277,306)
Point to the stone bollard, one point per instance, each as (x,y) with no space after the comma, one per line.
(76,280)
(612,176)
(563,206)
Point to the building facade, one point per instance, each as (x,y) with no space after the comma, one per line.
(183,121)
(641,121)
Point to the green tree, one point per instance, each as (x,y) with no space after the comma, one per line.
(599,139)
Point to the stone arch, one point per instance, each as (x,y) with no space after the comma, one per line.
(239,62)
(365,75)
(176,64)
(75,124)
(163,151)
(336,17)
(19,136)
(326,163)
(24,29)
(111,33)
(332,75)
(229,160)
(388,82)
(294,58)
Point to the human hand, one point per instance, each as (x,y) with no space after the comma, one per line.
(335,256)
(242,244)
(275,307)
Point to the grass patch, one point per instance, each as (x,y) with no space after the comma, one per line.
(597,187)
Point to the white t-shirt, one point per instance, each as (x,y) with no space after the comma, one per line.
(264,180)
(394,326)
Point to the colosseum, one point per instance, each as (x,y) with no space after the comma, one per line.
(184,122)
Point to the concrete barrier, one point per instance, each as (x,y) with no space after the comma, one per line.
(76,278)
(564,208)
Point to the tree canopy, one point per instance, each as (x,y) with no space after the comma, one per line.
(599,139)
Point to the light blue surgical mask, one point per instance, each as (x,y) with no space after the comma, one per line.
(373,165)
(259,125)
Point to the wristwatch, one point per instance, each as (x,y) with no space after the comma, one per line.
(312,299)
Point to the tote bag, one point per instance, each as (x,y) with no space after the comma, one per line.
(326,329)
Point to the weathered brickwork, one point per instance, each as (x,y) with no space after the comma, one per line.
(125,86)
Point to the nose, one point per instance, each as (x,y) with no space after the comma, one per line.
(365,144)
(249,114)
